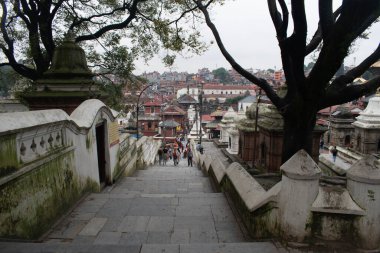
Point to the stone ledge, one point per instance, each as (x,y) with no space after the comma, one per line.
(207,161)
(301,167)
(246,186)
(15,121)
(219,170)
(263,199)
(366,170)
(335,200)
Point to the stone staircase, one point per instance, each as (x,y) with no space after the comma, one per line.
(160,209)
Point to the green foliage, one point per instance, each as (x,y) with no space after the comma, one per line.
(235,100)
(168,60)
(222,74)
(7,80)
(113,33)
(114,95)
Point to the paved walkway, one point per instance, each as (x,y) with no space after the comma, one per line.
(161,209)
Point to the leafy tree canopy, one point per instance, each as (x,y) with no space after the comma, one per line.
(113,32)
(235,100)
(222,74)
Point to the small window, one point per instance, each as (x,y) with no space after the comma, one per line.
(149,125)
(152,109)
(222,92)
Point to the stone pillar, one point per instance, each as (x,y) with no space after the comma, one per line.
(223,133)
(299,188)
(363,183)
(234,135)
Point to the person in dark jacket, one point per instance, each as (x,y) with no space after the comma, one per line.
(334,153)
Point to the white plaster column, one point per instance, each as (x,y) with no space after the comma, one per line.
(234,134)
(223,133)
(363,183)
(299,188)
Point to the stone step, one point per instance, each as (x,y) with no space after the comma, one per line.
(246,247)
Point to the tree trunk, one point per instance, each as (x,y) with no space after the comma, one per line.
(298,130)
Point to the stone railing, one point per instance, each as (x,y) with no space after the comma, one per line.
(136,154)
(49,160)
(298,209)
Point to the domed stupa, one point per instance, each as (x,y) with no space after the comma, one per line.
(367,127)
(67,83)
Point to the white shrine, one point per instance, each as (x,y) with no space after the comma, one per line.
(367,127)
(194,132)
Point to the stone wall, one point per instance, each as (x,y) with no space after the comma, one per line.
(300,208)
(49,160)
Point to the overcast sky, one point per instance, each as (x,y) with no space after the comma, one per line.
(248,33)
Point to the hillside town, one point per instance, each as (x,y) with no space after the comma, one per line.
(97,158)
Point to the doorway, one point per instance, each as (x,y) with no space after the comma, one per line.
(100,145)
(347,140)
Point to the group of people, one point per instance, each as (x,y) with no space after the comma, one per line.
(174,152)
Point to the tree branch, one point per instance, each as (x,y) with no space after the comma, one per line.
(350,76)
(326,17)
(56,8)
(293,51)
(299,20)
(20,13)
(345,31)
(276,100)
(19,68)
(317,37)
(122,25)
(88,19)
(45,19)
(350,92)
(285,14)
(281,25)
(3,29)
(275,14)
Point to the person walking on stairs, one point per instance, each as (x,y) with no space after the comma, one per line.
(190,157)
(175,157)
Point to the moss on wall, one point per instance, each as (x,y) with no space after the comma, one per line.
(8,155)
(326,225)
(31,203)
(260,223)
(89,140)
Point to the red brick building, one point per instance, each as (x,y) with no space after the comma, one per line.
(149,122)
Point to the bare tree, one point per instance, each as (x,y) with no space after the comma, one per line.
(306,95)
